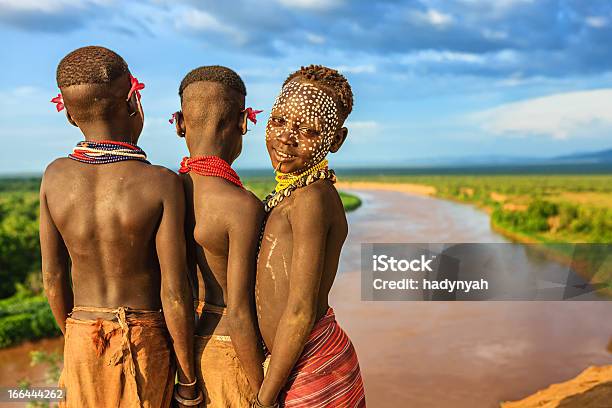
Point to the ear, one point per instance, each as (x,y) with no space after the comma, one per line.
(243,121)
(339,138)
(70,120)
(132,104)
(179,123)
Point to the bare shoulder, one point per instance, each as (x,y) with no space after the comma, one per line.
(166,181)
(317,199)
(55,172)
(56,167)
(251,208)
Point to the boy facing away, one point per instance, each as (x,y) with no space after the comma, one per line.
(223,226)
(113,248)
(313,362)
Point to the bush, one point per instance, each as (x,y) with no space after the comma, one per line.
(25,318)
(19,242)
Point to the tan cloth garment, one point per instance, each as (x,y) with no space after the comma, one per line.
(124,363)
(220,374)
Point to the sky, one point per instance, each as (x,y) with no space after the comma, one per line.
(431,79)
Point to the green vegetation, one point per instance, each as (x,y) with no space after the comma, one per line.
(541,208)
(349,201)
(19,245)
(261,187)
(25,316)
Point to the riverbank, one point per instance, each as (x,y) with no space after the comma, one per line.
(519,219)
(591,388)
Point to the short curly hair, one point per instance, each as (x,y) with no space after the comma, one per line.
(90,65)
(214,73)
(331,81)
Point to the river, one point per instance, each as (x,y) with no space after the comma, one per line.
(456,354)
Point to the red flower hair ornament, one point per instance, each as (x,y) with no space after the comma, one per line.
(135,88)
(58,101)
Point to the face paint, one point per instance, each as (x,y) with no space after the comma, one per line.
(301,128)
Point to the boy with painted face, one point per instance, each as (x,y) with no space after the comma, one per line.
(313,363)
(223,226)
(113,248)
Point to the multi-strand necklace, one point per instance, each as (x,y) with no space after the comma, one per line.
(107,151)
(289,182)
(210,166)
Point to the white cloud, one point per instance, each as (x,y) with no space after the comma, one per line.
(360,132)
(441,56)
(363,125)
(596,21)
(311,4)
(357,69)
(315,39)
(200,20)
(494,34)
(560,116)
(197,20)
(433,17)
(47,6)
(498,6)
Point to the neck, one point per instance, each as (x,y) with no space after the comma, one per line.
(209,143)
(115,131)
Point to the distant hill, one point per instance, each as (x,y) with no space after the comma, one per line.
(603,156)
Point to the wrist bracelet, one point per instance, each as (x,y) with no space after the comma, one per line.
(190,384)
(258,404)
(188,402)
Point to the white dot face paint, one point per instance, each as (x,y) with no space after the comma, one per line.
(301,127)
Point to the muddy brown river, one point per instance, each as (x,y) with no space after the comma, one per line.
(437,354)
(456,354)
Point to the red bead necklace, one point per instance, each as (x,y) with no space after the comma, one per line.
(210,166)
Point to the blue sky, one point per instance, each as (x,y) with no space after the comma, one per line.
(431,78)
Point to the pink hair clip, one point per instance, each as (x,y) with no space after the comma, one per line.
(58,101)
(173,118)
(252,114)
(136,87)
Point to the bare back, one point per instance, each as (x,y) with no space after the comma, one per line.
(218,212)
(108,216)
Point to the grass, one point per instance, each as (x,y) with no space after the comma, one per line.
(261,187)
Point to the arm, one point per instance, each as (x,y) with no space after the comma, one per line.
(190,241)
(175,289)
(55,266)
(310,225)
(241,267)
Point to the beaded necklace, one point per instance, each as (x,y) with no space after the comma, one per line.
(299,181)
(106,151)
(210,166)
(284,180)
